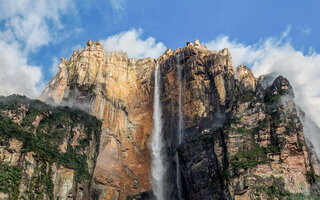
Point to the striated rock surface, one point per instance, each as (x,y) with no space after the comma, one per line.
(33,163)
(243,138)
(119,91)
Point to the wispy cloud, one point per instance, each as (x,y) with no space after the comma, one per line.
(132,43)
(278,55)
(306,31)
(117,4)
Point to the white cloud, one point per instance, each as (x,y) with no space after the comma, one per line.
(28,26)
(131,43)
(276,55)
(16,75)
(28,20)
(55,66)
(117,4)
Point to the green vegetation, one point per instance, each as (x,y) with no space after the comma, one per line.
(44,141)
(47,182)
(206,138)
(248,96)
(272,99)
(290,127)
(9,180)
(39,184)
(44,148)
(256,154)
(233,120)
(311,176)
(276,117)
(272,192)
(226,175)
(250,158)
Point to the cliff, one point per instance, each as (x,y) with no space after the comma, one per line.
(241,135)
(46,152)
(119,91)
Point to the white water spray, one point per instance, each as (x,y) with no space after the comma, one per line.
(158,168)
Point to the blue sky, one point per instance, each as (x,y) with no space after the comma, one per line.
(44,31)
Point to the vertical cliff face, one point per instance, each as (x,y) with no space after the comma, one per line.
(243,138)
(119,91)
(46,152)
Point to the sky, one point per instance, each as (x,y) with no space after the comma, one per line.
(34,34)
(268,36)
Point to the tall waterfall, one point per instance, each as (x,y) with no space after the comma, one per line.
(180,123)
(180,128)
(158,162)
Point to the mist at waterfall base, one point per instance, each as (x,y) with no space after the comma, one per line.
(158,167)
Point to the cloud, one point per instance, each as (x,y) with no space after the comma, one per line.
(117,4)
(306,31)
(28,20)
(54,67)
(28,25)
(16,75)
(279,56)
(131,43)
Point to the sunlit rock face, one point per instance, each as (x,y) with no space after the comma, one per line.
(119,91)
(242,135)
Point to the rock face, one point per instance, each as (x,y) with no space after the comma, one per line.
(42,156)
(243,138)
(119,91)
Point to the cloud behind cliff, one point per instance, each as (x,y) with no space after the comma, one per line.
(132,43)
(278,55)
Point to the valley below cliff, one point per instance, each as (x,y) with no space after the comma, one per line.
(226,133)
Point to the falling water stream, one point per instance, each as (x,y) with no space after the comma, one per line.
(157,144)
(180,128)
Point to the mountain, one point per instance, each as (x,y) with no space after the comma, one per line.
(226,133)
(46,152)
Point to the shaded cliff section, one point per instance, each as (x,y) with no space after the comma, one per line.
(46,152)
(243,137)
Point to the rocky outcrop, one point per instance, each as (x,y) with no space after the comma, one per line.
(33,163)
(242,138)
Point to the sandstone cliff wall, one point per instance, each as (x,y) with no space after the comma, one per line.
(119,91)
(243,138)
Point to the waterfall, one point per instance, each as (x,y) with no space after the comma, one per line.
(180,123)
(158,168)
(180,128)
